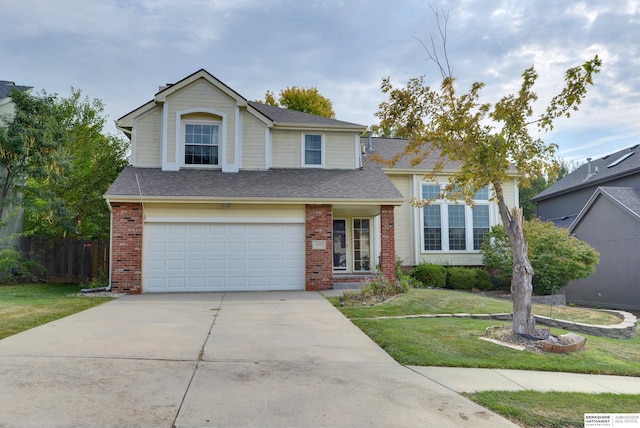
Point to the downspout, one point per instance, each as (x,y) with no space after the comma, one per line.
(108,287)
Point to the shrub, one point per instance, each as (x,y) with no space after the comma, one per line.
(430,275)
(461,278)
(13,265)
(483,280)
(557,258)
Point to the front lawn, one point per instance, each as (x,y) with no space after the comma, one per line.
(24,306)
(553,409)
(438,301)
(454,342)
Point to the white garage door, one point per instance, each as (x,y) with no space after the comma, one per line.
(223,257)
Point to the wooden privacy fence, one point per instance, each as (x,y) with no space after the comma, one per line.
(68,260)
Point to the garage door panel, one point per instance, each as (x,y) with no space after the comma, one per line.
(212,256)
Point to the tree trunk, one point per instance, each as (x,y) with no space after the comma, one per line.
(521,286)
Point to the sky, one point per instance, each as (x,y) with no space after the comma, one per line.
(121,51)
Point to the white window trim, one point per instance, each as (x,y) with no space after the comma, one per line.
(183,126)
(222,137)
(303,148)
(347,247)
(444,222)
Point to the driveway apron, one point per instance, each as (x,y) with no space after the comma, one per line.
(268,359)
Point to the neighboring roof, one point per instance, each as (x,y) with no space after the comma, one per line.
(564,222)
(627,198)
(285,117)
(602,170)
(302,184)
(387,148)
(6,87)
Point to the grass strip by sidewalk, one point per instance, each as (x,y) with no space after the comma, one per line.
(24,306)
(553,409)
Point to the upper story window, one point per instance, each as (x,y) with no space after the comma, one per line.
(452,225)
(313,150)
(201,143)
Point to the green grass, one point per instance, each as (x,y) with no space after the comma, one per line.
(434,301)
(454,342)
(25,306)
(553,409)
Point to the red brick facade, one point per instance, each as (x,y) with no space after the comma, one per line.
(319,264)
(126,264)
(387,242)
(126,248)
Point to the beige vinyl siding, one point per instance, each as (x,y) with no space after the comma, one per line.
(402,215)
(253,144)
(408,227)
(6,109)
(200,94)
(285,147)
(340,150)
(216,210)
(510,189)
(148,140)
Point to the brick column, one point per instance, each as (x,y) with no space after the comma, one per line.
(126,248)
(319,257)
(387,242)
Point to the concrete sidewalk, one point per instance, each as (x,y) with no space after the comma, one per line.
(285,359)
(474,380)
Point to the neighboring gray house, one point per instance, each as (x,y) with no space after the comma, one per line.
(562,202)
(600,204)
(10,231)
(610,222)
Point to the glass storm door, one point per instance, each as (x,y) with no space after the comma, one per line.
(361,244)
(339,244)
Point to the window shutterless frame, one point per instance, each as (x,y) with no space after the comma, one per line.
(312,150)
(453,226)
(200,143)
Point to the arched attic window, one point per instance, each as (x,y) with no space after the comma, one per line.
(201,138)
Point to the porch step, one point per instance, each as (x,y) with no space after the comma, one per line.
(350,281)
(348,285)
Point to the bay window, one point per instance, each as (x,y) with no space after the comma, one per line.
(449,225)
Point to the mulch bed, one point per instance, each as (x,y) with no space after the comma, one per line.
(534,344)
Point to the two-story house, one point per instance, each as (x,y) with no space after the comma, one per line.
(227,194)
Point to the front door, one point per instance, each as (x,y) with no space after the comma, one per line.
(339,245)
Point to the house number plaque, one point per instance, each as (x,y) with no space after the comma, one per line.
(318,245)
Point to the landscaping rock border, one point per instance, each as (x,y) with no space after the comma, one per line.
(627,329)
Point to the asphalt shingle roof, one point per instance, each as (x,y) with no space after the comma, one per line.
(283,115)
(387,148)
(578,178)
(303,184)
(627,196)
(6,87)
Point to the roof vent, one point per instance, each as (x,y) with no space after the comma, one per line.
(590,171)
(620,159)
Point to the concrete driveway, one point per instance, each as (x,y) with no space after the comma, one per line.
(277,359)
